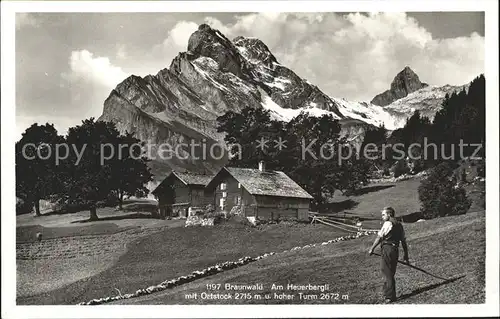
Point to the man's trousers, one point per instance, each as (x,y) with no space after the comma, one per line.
(390,256)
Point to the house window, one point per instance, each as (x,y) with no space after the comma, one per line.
(221,203)
(239,185)
(224,194)
(223,186)
(237,200)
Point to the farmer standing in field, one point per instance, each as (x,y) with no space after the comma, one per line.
(388,237)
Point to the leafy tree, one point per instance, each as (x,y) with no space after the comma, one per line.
(355,174)
(244,129)
(97,173)
(130,170)
(317,170)
(310,153)
(36,167)
(440,194)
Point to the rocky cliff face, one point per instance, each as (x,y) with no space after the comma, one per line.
(427,100)
(404,83)
(179,105)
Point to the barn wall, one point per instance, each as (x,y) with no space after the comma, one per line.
(166,196)
(273,207)
(178,192)
(209,196)
(249,204)
(260,206)
(197,196)
(182,192)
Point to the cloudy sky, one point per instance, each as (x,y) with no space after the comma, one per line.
(67,63)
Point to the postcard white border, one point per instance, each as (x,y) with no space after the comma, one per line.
(9,309)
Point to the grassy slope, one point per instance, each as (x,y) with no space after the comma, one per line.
(134,213)
(179,251)
(40,276)
(401,196)
(28,233)
(368,203)
(450,247)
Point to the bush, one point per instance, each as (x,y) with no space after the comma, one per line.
(401,168)
(210,212)
(463,176)
(386,172)
(23,206)
(440,195)
(418,166)
(481,168)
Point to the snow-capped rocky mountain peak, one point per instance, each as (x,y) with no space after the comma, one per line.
(215,75)
(404,83)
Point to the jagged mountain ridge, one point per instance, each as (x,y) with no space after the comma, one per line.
(404,83)
(213,76)
(426,100)
(181,103)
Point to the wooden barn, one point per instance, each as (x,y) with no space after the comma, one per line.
(259,193)
(180,191)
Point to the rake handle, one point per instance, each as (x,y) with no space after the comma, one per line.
(417,268)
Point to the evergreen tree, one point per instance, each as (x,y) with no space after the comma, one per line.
(462,117)
(372,146)
(440,194)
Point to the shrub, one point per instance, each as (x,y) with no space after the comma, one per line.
(386,172)
(481,168)
(210,212)
(23,206)
(417,166)
(400,168)
(440,195)
(463,176)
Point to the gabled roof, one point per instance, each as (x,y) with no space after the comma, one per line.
(187,178)
(267,183)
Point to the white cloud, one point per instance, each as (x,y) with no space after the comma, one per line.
(89,82)
(176,40)
(25,19)
(98,70)
(121,52)
(181,32)
(356,56)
